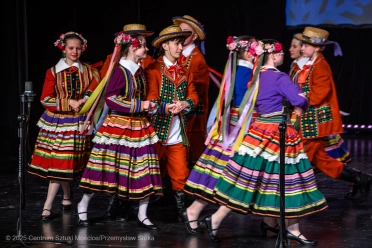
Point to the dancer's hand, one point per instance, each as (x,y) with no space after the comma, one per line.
(75,105)
(298,111)
(180,105)
(152,107)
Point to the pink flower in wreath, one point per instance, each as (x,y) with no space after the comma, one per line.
(252,47)
(118,39)
(126,38)
(243,43)
(232,46)
(259,50)
(230,40)
(278,47)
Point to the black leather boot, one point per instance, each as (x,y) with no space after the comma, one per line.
(179,195)
(362,182)
(118,209)
(111,207)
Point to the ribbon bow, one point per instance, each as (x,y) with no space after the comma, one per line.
(295,67)
(175,71)
(303,74)
(73,69)
(182,60)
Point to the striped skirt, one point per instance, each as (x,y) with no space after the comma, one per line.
(123,160)
(250,180)
(61,152)
(336,148)
(209,166)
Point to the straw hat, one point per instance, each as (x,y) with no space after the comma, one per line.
(137,28)
(315,36)
(170,32)
(193,23)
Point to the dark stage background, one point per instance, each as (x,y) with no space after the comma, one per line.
(31,27)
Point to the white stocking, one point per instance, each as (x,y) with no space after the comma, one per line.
(82,206)
(142,211)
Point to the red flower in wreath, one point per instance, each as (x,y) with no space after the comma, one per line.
(278,47)
(230,40)
(136,43)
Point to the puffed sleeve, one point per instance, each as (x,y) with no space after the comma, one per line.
(291,92)
(49,98)
(117,97)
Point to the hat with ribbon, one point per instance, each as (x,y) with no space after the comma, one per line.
(138,29)
(170,32)
(193,23)
(318,37)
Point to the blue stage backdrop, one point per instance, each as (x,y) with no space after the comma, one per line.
(317,12)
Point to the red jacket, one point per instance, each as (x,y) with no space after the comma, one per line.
(195,63)
(323,116)
(161,88)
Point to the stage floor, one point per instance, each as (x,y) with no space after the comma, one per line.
(346,223)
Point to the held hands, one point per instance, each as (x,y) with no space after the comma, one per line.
(149,106)
(76,105)
(298,111)
(177,106)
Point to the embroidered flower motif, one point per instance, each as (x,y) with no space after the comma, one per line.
(122,38)
(61,44)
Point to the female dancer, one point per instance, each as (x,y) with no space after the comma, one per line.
(249,182)
(123,160)
(210,165)
(62,148)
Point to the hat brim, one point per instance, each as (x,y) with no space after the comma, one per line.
(300,37)
(200,31)
(141,32)
(157,41)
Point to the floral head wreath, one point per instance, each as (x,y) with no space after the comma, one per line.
(255,48)
(268,48)
(234,45)
(60,42)
(123,38)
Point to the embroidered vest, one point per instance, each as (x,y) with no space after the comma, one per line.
(314,115)
(168,92)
